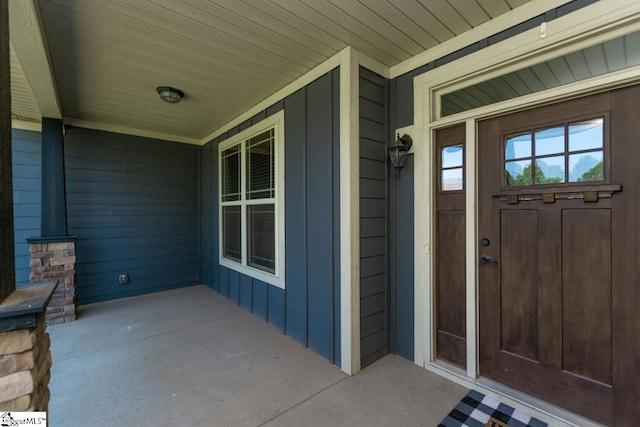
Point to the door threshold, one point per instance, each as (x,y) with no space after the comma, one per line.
(543,410)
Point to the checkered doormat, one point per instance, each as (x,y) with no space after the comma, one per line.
(478,410)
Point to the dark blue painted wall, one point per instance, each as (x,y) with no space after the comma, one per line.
(309,308)
(133,202)
(402,187)
(27,171)
(374,315)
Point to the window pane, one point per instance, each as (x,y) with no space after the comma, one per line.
(452,156)
(550,141)
(452,179)
(550,170)
(261,246)
(231,232)
(231,174)
(260,166)
(518,173)
(586,135)
(518,147)
(586,167)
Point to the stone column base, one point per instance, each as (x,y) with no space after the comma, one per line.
(56,260)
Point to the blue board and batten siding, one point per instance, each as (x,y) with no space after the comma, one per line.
(373,218)
(133,202)
(27,186)
(309,308)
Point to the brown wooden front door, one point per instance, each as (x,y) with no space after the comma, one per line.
(559,203)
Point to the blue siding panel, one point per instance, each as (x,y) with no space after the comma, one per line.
(260,302)
(319,217)
(234,286)
(119,185)
(215,249)
(275,108)
(276,304)
(295,214)
(374,318)
(246,292)
(224,281)
(404,185)
(309,309)
(206,220)
(336,217)
(27,187)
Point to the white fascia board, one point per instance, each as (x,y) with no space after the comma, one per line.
(28,41)
(26,125)
(70,121)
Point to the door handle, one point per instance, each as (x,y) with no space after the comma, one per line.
(485,259)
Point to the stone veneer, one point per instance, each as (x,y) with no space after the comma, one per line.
(56,260)
(25,362)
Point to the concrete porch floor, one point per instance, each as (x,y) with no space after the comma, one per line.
(190,357)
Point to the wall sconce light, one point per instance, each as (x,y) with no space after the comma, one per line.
(398,151)
(169,94)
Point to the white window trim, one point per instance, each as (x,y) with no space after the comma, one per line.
(275,121)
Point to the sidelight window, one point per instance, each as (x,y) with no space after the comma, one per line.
(252,201)
(452,168)
(566,153)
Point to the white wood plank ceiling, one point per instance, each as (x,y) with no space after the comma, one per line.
(23,104)
(108,56)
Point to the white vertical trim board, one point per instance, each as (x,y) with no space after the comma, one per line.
(422,241)
(349,212)
(471,239)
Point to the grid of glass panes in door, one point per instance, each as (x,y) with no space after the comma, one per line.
(566,153)
(252,197)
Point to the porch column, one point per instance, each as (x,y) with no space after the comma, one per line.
(54,202)
(7,259)
(53,254)
(25,359)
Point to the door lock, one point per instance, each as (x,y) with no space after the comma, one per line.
(485,259)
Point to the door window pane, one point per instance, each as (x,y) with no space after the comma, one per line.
(518,147)
(452,156)
(550,170)
(261,237)
(587,135)
(452,179)
(260,166)
(549,141)
(231,232)
(518,173)
(452,168)
(586,167)
(231,174)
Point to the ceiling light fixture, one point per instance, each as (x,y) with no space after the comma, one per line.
(169,94)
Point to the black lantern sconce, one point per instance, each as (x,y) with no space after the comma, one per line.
(398,151)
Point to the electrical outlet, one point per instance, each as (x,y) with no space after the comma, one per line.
(123,279)
(543,30)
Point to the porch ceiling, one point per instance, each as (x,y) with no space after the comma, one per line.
(108,56)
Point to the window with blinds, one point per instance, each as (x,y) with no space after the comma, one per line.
(251,201)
